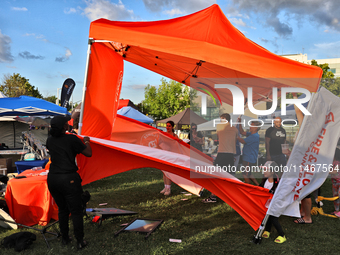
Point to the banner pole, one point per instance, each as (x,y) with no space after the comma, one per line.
(258,237)
(84,86)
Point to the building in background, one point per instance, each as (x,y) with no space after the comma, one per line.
(333,63)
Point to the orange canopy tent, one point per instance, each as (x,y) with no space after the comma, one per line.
(198,50)
(203,45)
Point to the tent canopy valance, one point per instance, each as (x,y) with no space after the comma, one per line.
(29,106)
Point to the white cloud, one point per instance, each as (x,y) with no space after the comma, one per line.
(326,13)
(238,22)
(5,49)
(329,49)
(173,12)
(24,9)
(184,6)
(64,57)
(232,12)
(97,9)
(327,46)
(38,37)
(70,10)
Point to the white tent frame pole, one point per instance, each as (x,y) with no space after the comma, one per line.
(84,86)
(102,41)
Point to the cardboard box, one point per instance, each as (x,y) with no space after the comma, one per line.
(6,163)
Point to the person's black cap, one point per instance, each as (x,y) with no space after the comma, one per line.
(59,121)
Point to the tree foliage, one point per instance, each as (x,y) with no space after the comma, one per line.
(51,99)
(328,81)
(168,99)
(15,85)
(327,74)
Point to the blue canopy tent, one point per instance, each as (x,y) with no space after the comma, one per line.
(132,113)
(29,106)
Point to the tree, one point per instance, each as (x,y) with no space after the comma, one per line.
(327,74)
(333,85)
(168,99)
(15,85)
(328,81)
(52,99)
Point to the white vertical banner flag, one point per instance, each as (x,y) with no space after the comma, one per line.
(312,155)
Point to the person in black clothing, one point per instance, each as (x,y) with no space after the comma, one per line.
(195,137)
(275,136)
(270,181)
(64,183)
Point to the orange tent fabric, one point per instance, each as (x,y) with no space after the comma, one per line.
(126,102)
(198,50)
(203,45)
(137,145)
(248,200)
(131,131)
(29,200)
(104,82)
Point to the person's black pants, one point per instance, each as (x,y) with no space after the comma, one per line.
(66,190)
(272,220)
(226,162)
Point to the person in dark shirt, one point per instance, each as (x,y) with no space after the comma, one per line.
(196,137)
(64,183)
(275,136)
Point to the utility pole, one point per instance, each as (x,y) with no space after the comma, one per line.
(57,101)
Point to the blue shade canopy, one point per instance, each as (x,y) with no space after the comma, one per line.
(29,106)
(132,113)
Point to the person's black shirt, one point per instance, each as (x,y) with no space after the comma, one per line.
(193,143)
(277,137)
(63,151)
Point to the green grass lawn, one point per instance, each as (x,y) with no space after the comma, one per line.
(213,228)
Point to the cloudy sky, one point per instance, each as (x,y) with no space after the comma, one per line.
(46,41)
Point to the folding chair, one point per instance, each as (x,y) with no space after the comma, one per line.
(7,221)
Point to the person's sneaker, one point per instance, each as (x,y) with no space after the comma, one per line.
(337,214)
(209,200)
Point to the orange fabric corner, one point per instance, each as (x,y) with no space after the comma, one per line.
(102,93)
